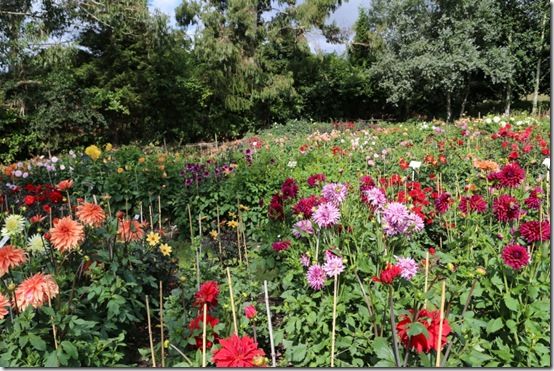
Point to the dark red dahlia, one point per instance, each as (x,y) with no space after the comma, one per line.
(511,175)
(306,206)
(442,202)
(515,256)
(505,208)
(276,210)
(207,294)
(289,189)
(431,321)
(535,199)
(535,231)
(316,179)
(280,245)
(475,203)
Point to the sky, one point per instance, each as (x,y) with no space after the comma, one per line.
(344,16)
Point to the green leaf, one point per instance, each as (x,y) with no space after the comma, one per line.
(52,360)
(70,349)
(37,342)
(494,325)
(383,350)
(416,328)
(299,353)
(511,303)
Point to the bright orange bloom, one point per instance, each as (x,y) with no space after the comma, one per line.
(4,302)
(130,230)
(35,291)
(67,234)
(64,185)
(486,165)
(91,214)
(10,257)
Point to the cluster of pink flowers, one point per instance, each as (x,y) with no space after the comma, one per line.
(335,193)
(397,219)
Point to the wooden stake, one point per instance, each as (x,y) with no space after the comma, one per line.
(141,213)
(190,223)
(162,322)
(439,340)
(219,234)
(426,278)
(151,217)
(150,333)
(334,322)
(160,213)
(232,301)
(204,335)
(269,325)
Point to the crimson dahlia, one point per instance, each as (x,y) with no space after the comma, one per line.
(535,230)
(505,208)
(422,343)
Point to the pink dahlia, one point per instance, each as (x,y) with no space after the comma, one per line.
(302,227)
(316,277)
(535,231)
(335,193)
(408,267)
(515,256)
(375,198)
(305,260)
(505,208)
(326,215)
(333,266)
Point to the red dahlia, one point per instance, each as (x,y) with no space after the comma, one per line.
(421,342)
(388,275)
(511,175)
(306,206)
(515,256)
(196,324)
(276,210)
(280,245)
(442,202)
(535,199)
(474,203)
(289,189)
(316,179)
(237,352)
(535,231)
(207,294)
(505,208)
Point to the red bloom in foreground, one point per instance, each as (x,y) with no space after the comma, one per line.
(431,321)
(515,256)
(388,274)
(35,291)
(196,324)
(237,352)
(505,208)
(10,257)
(535,231)
(306,206)
(208,294)
(4,302)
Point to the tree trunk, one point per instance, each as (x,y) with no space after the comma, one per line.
(448,106)
(508,99)
(538,70)
(464,100)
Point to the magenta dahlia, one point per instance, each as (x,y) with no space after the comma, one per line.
(280,245)
(316,277)
(515,256)
(535,231)
(535,199)
(505,208)
(306,206)
(475,203)
(442,202)
(289,189)
(511,175)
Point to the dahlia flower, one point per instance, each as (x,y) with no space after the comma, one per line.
(515,256)
(326,215)
(505,208)
(421,342)
(90,214)
(289,189)
(250,311)
(442,202)
(13,225)
(511,175)
(534,231)
(280,245)
(388,274)
(316,277)
(237,352)
(398,220)
(333,266)
(130,230)
(37,244)
(408,267)
(306,206)
(4,303)
(375,198)
(335,193)
(35,291)
(316,179)
(67,234)
(207,294)
(197,323)
(302,227)
(10,257)
(535,199)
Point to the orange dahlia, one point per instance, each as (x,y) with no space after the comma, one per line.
(35,291)
(10,257)
(64,185)
(130,230)
(91,214)
(4,302)
(66,234)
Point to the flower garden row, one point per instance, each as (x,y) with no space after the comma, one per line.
(406,245)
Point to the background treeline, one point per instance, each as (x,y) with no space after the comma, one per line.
(73,72)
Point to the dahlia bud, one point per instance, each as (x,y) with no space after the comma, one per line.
(450,267)
(259,361)
(481,271)
(86,258)
(166,344)
(11,286)
(182,279)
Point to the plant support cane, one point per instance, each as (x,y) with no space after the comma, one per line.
(439,340)
(150,333)
(269,326)
(204,335)
(162,323)
(334,321)
(232,301)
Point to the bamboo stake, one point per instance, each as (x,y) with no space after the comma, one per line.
(162,322)
(160,213)
(334,322)
(141,213)
(269,326)
(232,301)
(439,341)
(426,278)
(151,217)
(219,234)
(204,335)
(150,333)
(94,198)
